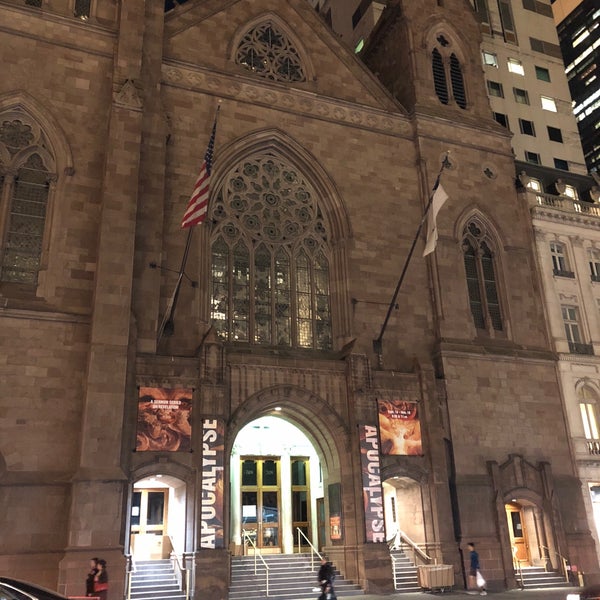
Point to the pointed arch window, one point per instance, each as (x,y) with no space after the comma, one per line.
(270,258)
(268,52)
(448,80)
(25,183)
(482,283)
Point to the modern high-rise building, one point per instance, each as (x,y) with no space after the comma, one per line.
(265,383)
(579,33)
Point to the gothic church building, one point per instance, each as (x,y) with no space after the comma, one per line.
(230,395)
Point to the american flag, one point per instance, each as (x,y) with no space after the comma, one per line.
(198,204)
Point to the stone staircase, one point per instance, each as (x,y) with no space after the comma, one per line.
(538,577)
(290,578)
(405,572)
(155,580)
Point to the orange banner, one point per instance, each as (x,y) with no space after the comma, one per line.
(399,428)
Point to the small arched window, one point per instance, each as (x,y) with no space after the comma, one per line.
(268,52)
(270,258)
(447,73)
(26,184)
(481,276)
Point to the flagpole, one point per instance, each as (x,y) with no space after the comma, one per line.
(378,343)
(195,213)
(167,322)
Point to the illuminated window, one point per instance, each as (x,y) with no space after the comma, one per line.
(548,103)
(481,276)
(559,258)
(270,258)
(594,259)
(588,402)
(267,51)
(490,59)
(515,66)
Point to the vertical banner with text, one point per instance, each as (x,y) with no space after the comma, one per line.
(213,460)
(371,479)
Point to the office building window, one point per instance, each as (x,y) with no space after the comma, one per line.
(562,164)
(502,119)
(555,134)
(521,96)
(495,89)
(532,157)
(527,127)
(588,402)
(490,59)
(594,258)
(560,264)
(542,73)
(515,66)
(548,103)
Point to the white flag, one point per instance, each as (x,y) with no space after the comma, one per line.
(439,197)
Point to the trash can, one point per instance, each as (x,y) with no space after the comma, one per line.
(436,577)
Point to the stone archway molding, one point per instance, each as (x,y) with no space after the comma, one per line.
(316,418)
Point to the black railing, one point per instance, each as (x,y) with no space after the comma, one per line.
(561,273)
(578,348)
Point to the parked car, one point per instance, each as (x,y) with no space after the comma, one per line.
(13,589)
(591,592)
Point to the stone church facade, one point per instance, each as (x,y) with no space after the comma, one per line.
(322,170)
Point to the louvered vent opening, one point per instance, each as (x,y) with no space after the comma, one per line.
(439,77)
(458,84)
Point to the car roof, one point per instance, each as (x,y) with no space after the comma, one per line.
(31,588)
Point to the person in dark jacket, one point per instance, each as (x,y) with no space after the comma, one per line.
(474,570)
(89,582)
(326,577)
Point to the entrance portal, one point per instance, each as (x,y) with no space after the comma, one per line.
(275,485)
(157,518)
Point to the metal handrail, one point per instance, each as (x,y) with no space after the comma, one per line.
(314,550)
(185,579)
(394,561)
(517,568)
(563,560)
(245,536)
(129,569)
(415,547)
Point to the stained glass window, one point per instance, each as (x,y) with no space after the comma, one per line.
(267,51)
(270,265)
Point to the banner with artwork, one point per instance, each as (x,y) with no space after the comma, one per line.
(399,428)
(163,422)
(213,462)
(335,510)
(371,479)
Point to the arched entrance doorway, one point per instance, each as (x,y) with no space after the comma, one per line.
(404,518)
(157,517)
(531,541)
(276,488)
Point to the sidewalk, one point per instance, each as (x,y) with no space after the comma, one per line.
(545,594)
